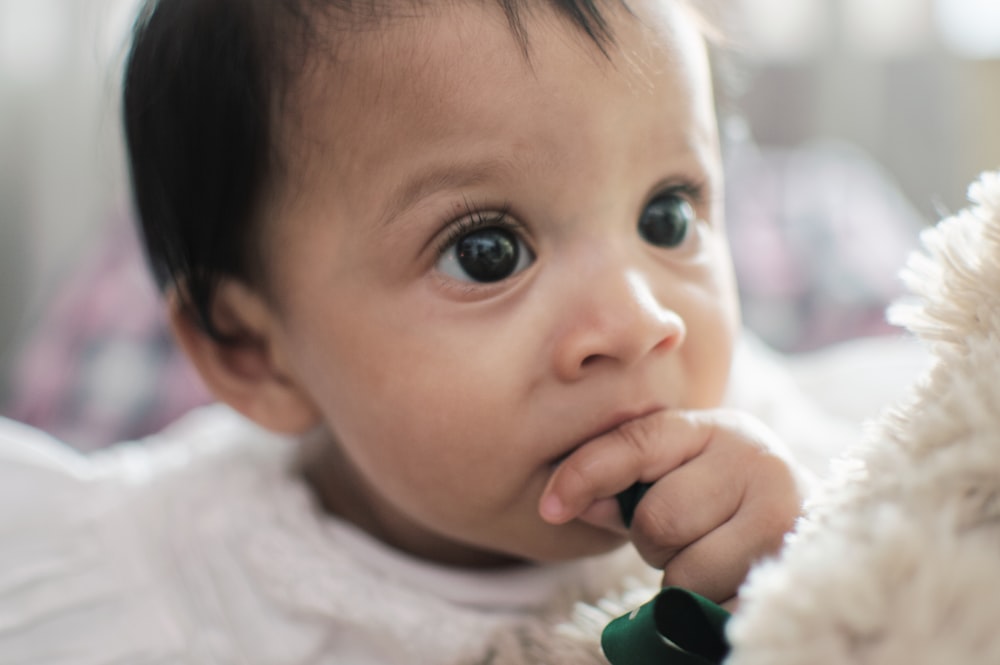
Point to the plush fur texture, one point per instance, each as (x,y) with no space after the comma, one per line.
(897,561)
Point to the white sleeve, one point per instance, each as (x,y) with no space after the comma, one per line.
(71,592)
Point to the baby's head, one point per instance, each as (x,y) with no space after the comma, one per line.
(464,237)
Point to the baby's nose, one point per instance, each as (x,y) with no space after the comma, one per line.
(616,318)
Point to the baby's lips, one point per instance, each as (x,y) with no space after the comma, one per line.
(553,510)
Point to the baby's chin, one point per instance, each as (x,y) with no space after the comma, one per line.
(569,542)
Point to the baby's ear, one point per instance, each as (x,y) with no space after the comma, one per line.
(247,369)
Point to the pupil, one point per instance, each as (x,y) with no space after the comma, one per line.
(665,220)
(489,255)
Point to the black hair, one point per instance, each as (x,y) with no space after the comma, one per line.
(202,83)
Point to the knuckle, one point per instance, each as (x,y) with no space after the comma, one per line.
(783,516)
(777,478)
(636,434)
(572,479)
(657,530)
(775,516)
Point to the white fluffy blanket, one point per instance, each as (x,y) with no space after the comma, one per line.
(897,561)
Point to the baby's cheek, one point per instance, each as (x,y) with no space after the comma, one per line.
(712,363)
(440,483)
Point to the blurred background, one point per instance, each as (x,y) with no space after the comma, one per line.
(849,125)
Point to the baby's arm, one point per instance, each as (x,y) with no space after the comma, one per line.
(721,495)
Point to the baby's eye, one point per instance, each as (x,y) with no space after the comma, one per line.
(489,254)
(666,220)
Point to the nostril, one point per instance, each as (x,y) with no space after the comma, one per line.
(589,360)
(666,343)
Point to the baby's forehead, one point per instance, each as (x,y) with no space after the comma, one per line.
(399,34)
(345,64)
(357,69)
(442,74)
(346,55)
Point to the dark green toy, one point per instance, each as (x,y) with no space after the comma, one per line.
(676,627)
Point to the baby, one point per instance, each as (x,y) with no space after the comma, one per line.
(472,253)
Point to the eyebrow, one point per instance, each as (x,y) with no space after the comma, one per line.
(446,176)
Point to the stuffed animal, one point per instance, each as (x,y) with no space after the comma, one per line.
(897,560)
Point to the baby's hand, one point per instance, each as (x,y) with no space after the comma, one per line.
(721,495)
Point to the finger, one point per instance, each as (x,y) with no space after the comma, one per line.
(604,513)
(709,568)
(687,504)
(641,450)
(716,564)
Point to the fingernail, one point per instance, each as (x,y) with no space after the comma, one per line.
(551,508)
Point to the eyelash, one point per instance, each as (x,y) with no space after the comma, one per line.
(473,220)
(692,192)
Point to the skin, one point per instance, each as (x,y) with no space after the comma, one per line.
(485,424)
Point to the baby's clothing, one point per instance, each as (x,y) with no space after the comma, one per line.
(202,545)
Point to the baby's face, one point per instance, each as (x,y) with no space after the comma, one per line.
(483,260)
